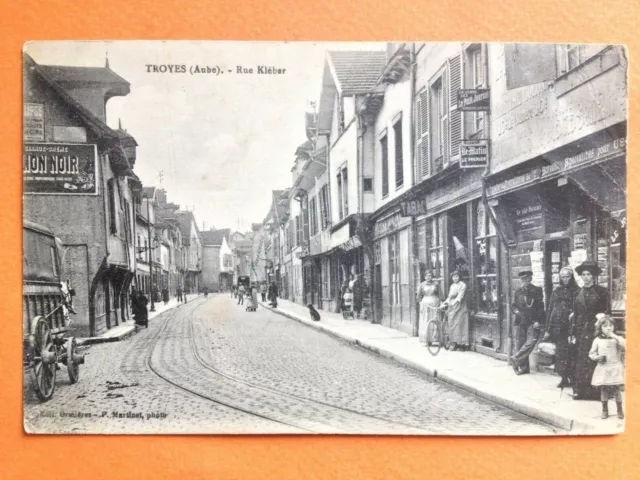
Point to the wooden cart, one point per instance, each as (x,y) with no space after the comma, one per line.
(45,318)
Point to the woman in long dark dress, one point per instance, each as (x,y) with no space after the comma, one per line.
(590,300)
(559,325)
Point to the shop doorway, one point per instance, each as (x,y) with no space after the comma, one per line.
(556,256)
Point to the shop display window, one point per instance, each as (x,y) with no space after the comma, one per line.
(486,258)
(611,256)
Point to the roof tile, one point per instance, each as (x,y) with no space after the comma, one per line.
(357,70)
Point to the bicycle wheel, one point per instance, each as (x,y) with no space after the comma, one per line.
(446,339)
(433,337)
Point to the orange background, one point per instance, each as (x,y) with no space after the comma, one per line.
(107,457)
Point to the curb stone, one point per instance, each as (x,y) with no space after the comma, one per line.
(522,406)
(129,332)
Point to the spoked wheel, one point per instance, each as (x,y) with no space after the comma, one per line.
(433,337)
(42,352)
(73,367)
(446,339)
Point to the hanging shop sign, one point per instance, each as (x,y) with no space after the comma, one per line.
(413,208)
(33,118)
(474,153)
(59,169)
(529,217)
(473,100)
(560,166)
(390,225)
(353,242)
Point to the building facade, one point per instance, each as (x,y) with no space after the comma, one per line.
(79,183)
(486,159)
(557,176)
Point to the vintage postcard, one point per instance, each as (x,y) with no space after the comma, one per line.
(399,238)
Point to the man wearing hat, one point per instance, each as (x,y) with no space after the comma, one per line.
(528,309)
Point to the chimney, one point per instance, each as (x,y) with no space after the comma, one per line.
(161,194)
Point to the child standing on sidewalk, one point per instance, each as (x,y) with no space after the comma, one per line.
(608,350)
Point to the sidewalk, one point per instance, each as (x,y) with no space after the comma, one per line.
(535,394)
(128,328)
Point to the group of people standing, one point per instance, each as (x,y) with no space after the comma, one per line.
(428,296)
(589,355)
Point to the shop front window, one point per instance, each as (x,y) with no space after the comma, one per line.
(435,231)
(458,242)
(611,256)
(486,255)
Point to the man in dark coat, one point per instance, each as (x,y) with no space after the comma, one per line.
(273,294)
(528,308)
(141,314)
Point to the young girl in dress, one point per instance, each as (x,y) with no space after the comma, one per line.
(608,350)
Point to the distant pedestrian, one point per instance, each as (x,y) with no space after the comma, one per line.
(273,294)
(179,295)
(254,297)
(133,299)
(141,314)
(263,291)
(165,296)
(608,351)
(358,287)
(241,295)
(205,290)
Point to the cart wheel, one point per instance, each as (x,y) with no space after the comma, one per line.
(433,337)
(73,368)
(43,359)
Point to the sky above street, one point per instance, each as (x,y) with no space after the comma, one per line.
(222,142)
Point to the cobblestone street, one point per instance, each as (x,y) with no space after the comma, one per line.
(211,367)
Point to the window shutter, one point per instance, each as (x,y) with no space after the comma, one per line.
(417,150)
(305,226)
(424,122)
(322,211)
(445,120)
(455,122)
